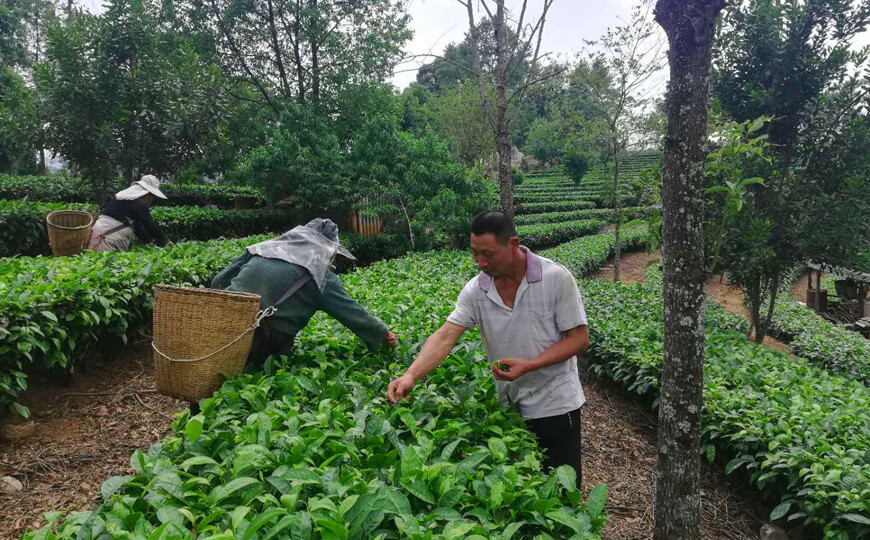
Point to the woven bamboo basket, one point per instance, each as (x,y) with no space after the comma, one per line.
(69,231)
(200,335)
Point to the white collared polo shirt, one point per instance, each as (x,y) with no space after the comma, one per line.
(547,304)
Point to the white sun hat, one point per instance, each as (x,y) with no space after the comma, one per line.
(148,184)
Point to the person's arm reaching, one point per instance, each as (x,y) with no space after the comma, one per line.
(434,351)
(339,305)
(143,219)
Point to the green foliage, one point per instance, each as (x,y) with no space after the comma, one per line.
(302,162)
(543,235)
(577,162)
(416,183)
(25,231)
(577,195)
(127,93)
(586,255)
(18,122)
(519,177)
(796,429)
(311,449)
(460,117)
(739,147)
(545,140)
(59,188)
(194,223)
(817,340)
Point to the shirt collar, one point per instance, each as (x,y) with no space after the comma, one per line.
(534,271)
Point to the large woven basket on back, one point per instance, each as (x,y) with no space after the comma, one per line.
(200,335)
(69,231)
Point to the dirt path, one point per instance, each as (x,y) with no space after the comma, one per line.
(619,449)
(77,441)
(633,267)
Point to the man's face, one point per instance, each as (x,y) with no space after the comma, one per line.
(493,257)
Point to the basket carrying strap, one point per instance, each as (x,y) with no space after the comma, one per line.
(113,230)
(265,313)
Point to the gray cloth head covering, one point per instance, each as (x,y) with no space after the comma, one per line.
(313,246)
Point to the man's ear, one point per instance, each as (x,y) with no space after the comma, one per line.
(514,242)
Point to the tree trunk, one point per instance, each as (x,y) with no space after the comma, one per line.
(315,56)
(502,129)
(754,294)
(616,219)
(689,25)
(761,331)
(297,55)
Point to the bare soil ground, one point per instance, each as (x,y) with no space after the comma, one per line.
(619,449)
(84,431)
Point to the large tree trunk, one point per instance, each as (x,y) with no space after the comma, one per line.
(689,25)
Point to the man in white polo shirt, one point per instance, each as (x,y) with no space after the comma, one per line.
(533,323)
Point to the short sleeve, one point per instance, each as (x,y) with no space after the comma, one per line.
(463,312)
(570,312)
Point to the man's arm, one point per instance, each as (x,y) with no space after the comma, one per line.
(434,351)
(575,343)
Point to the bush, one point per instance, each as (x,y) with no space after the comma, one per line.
(547,197)
(577,163)
(54,309)
(519,177)
(196,223)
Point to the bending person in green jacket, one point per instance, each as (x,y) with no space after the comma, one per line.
(302,258)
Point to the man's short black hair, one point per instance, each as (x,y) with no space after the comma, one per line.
(494,222)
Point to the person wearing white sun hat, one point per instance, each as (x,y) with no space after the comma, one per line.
(129,213)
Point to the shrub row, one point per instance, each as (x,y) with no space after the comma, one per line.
(58,188)
(818,340)
(558,206)
(626,214)
(23,230)
(544,235)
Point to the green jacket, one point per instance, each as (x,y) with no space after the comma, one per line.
(270,278)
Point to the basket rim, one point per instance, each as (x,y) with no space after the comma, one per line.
(203,291)
(79,227)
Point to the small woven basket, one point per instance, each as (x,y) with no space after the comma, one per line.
(69,232)
(199,336)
